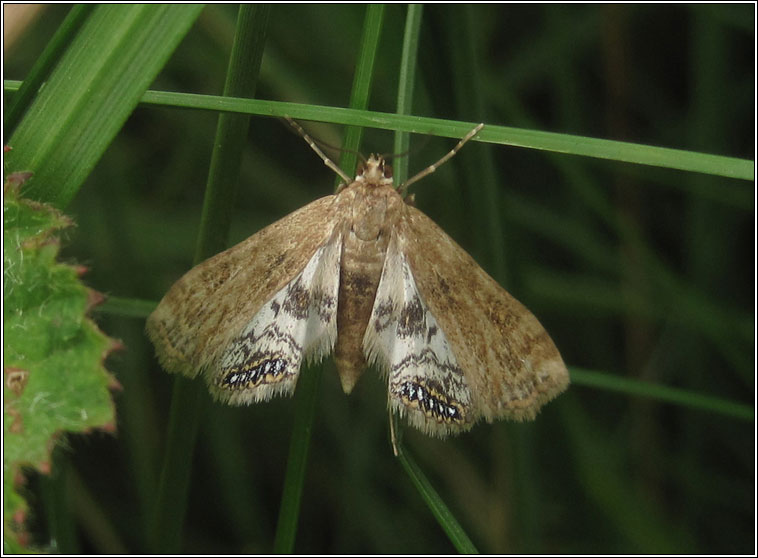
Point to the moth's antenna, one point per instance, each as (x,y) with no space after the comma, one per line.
(327,161)
(431,168)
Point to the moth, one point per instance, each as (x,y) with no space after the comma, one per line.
(366,275)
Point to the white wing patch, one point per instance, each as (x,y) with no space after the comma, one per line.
(298,323)
(403,337)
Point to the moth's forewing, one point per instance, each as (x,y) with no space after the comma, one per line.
(511,365)
(211,304)
(298,323)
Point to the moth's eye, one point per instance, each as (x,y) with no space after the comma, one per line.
(387,171)
(361,168)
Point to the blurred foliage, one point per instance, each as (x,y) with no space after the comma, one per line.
(635,271)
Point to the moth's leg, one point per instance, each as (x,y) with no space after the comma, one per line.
(394,437)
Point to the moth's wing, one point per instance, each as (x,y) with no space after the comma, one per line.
(299,322)
(425,382)
(248,316)
(511,365)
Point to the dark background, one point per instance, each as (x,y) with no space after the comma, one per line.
(599,471)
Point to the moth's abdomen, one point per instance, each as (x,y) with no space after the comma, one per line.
(373,211)
(359,278)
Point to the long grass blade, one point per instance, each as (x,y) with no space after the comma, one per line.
(231,133)
(407,78)
(439,509)
(306,394)
(361,91)
(306,398)
(692,161)
(666,394)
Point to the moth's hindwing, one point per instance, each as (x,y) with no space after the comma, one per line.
(510,364)
(213,302)
(299,322)
(425,382)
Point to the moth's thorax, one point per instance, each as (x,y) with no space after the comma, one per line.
(372,201)
(373,208)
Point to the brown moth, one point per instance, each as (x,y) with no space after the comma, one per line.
(368,276)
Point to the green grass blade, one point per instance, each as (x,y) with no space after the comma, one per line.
(667,394)
(364,72)
(692,161)
(306,394)
(407,77)
(127,307)
(45,63)
(56,495)
(165,528)
(441,512)
(98,82)
(483,194)
(408,60)
(231,133)
(244,66)
(306,398)
(729,329)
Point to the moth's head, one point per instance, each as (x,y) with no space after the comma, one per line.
(375,171)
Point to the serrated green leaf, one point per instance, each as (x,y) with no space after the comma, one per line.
(54,379)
